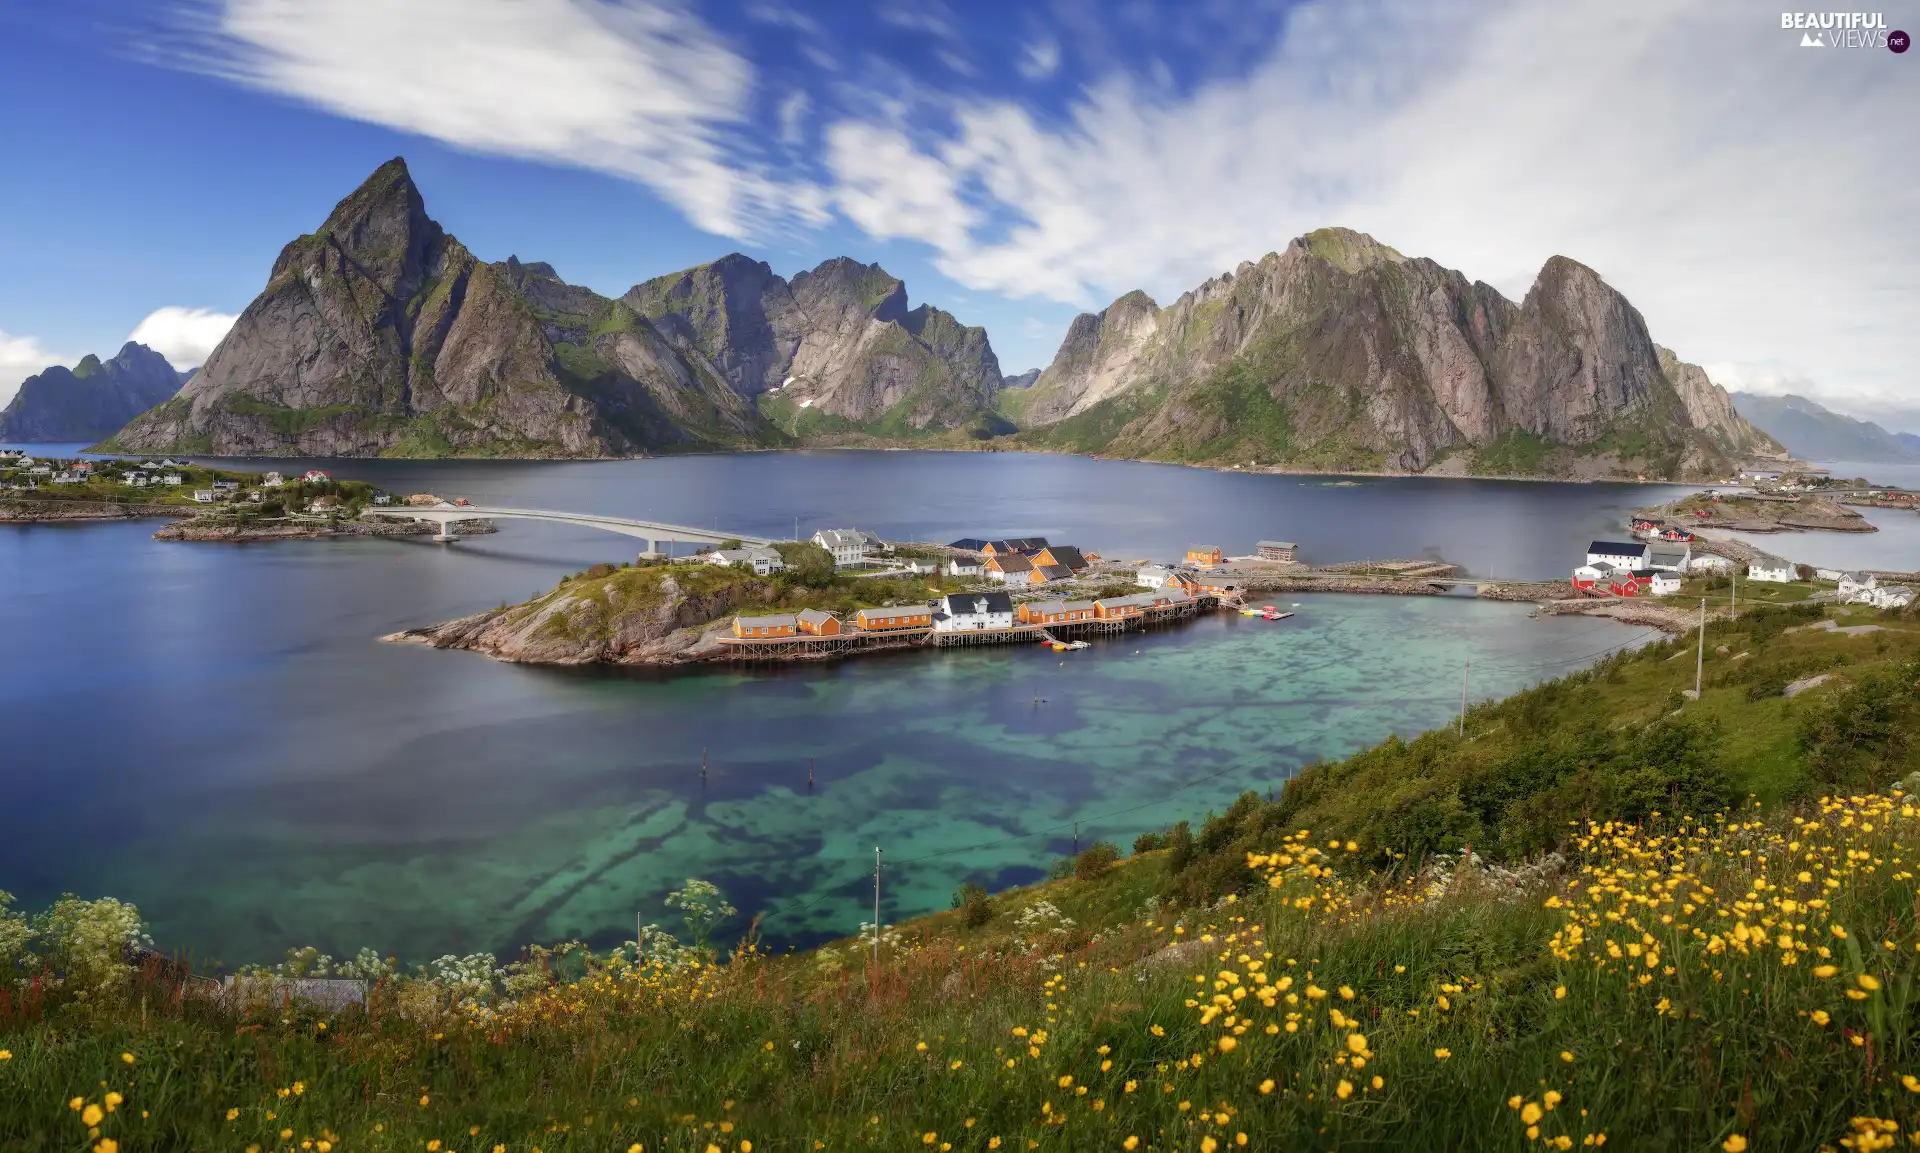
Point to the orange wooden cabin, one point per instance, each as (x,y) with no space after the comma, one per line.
(817,623)
(1118,608)
(1203,554)
(759,628)
(1055,612)
(894,619)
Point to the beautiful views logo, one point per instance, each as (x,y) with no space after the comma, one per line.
(1844,30)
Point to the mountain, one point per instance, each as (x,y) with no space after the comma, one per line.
(836,351)
(381,334)
(91,399)
(1022,380)
(1341,353)
(1813,432)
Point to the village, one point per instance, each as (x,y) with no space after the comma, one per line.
(1023,608)
(1664,554)
(181,484)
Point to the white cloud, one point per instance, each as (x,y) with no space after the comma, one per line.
(793,118)
(638,88)
(185,336)
(1750,197)
(21,357)
(1040,58)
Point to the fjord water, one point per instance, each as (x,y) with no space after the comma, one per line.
(214,733)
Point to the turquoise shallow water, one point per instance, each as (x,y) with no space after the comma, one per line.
(214,733)
(569,820)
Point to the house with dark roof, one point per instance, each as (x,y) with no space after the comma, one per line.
(1060,554)
(971,612)
(1009,566)
(969,544)
(1041,574)
(1618,553)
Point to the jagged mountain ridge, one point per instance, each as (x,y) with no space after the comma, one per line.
(91,399)
(837,341)
(1340,352)
(381,334)
(1814,432)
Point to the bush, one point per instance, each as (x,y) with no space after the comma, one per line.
(808,564)
(1179,842)
(971,900)
(1148,842)
(1096,860)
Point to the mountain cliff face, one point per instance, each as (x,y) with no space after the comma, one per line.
(91,399)
(1340,352)
(834,349)
(380,334)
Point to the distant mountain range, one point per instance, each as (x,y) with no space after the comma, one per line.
(1813,432)
(381,334)
(90,400)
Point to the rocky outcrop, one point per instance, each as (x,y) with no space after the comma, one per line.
(1021,380)
(837,341)
(1340,352)
(641,616)
(90,400)
(1711,409)
(381,334)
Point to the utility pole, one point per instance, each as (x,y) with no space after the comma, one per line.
(809,774)
(876,912)
(1076,838)
(1465,672)
(1733,606)
(703,764)
(1700,658)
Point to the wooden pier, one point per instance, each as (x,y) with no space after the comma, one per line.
(808,647)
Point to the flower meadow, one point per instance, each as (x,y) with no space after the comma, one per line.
(1734,981)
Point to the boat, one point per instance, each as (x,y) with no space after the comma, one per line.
(1251,613)
(1274,615)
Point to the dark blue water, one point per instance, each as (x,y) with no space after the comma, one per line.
(214,733)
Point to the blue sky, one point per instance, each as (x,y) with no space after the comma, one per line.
(1014,163)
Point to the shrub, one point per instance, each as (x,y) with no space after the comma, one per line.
(1179,842)
(971,900)
(808,564)
(1148,842)
(1093,863)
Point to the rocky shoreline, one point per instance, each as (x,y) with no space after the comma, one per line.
(231,533)
(64,511)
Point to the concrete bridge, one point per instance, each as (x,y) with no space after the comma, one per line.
(650,533)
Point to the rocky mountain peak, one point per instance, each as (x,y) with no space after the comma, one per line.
(91,399)
(844,283)
(89,364)
(383,230)
(1347,249)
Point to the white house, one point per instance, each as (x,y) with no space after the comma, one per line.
(871,542)
(172,478)
(1668,558)
(203,496)
(1857,588)
(964,567)
(761,559)
(848,546)
(1620,554)
(226,486)
(382,498)
(1769,568)
(1828,574)
(1665,584)
(968,612)
(317,476)
(1708,562)
(1153,576)
(1892,596)
(70,478)
(1589,575)
(273,480)
(922,567)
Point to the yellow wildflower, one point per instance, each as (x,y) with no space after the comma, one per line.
(1343,1090)
(1530,1113)
(1869,982)
(1734,1144)
(91,1115)
(1228,1044)
(1442,1054)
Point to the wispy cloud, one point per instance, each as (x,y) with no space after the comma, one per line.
(638,88)
(1039,58)
(21,357)
(185,336)
(1691,152)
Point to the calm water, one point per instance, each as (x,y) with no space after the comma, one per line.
(213,732)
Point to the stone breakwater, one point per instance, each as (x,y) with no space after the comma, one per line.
(231,533)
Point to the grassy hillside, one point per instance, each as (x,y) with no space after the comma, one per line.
(1689,968)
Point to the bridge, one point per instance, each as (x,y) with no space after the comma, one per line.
(650,533)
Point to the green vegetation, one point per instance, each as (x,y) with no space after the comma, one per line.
(1518,453)
(290,423)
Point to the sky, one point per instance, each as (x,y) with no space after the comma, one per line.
(1014,163)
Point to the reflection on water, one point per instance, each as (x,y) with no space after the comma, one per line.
(212,732)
